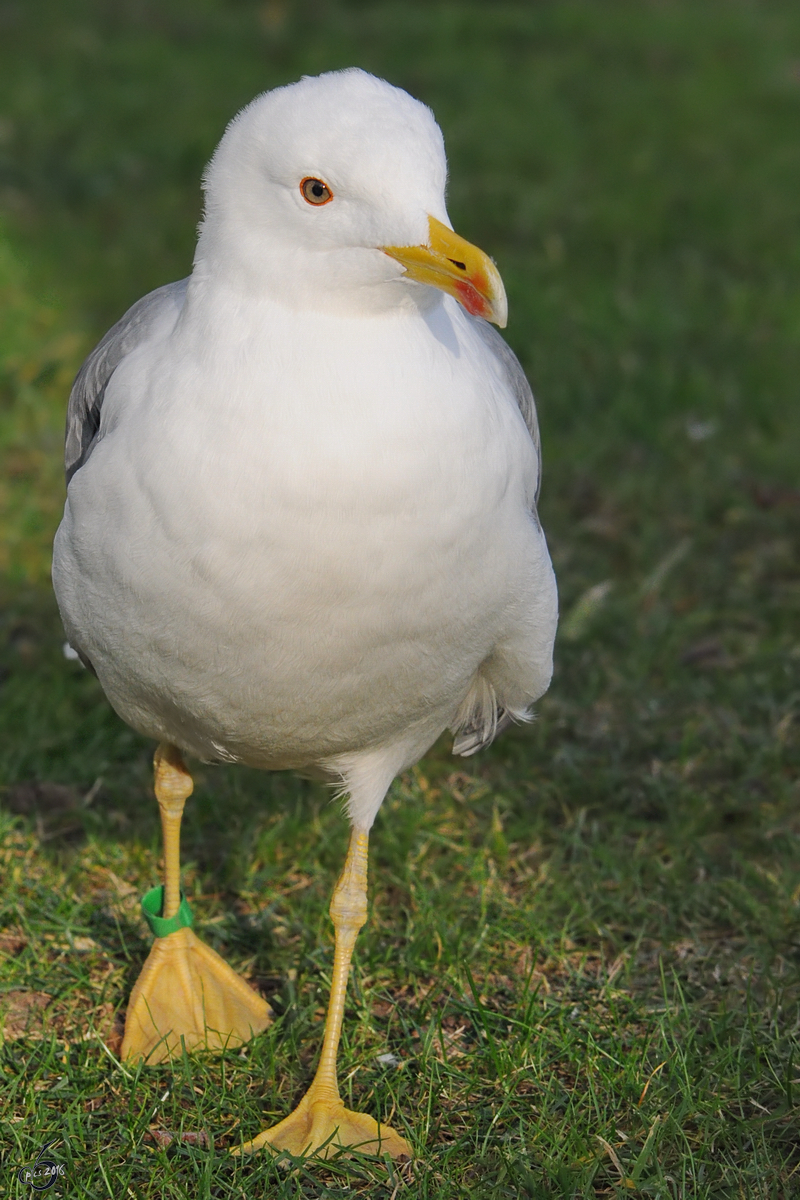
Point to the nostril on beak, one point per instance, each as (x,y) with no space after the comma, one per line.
(461,266)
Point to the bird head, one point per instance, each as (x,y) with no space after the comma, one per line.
(328,195)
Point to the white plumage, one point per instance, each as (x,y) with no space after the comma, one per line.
(306,531)
(301,526)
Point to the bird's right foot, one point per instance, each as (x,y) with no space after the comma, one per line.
(187,996)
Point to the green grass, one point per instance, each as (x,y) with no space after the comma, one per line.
(583,945)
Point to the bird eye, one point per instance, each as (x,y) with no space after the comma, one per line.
(315,191)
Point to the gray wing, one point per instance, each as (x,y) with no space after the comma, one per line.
(89,388)
(518,383)
(479,731)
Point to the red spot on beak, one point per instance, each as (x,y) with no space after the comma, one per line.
(472,300)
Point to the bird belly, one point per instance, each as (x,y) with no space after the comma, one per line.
(283,600)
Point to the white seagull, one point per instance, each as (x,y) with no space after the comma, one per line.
(301,528)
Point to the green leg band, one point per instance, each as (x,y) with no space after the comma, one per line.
(153,906)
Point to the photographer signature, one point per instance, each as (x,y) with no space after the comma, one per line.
(44,1172)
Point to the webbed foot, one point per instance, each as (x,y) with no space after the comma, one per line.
(186,995)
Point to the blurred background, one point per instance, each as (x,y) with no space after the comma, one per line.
(634,168)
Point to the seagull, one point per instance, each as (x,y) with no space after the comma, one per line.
(301,527)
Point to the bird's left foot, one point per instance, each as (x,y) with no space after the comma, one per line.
(322,1126)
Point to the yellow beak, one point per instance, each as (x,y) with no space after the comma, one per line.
(458,268)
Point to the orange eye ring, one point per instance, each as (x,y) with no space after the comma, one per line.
(315,191)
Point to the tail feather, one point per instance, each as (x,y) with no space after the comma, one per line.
(480,719)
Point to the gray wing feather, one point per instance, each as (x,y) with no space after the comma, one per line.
(479,730)
(89,388)
(518,383)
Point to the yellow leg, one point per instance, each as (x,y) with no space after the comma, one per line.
(321,1124)
(186,994)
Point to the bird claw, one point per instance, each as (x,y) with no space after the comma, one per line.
(188,997)
(323,1127)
